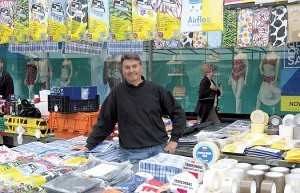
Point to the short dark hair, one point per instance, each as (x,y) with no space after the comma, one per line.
(131,56)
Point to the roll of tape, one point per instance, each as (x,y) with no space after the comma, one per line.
(278,178)
(244,166)
(257,116)
(261,167)
(229,185)
(203,189)
(211,180)
(257,128)
(296,132)
(283,170)
(294,180)
(268,186)
(237,173)
(248,186)
(227,161)
(286,132)
(289,189)
(295,171)
(272,131)
(288,120)
(257,175)
(297,120)
(275,121)
(207,151)
(221,168)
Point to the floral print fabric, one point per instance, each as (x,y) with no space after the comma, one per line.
(244,32)
(261,24)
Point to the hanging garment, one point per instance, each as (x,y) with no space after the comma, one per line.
(293,23)
(244,32)
(278,26)
(199,39)
(230,28)
(261,24)
(214,39)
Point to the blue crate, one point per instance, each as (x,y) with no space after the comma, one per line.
(88,92)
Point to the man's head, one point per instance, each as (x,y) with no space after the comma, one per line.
(132,68)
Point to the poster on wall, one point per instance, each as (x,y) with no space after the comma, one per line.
(57,21)
(121,20)
(38,20)
(169,19)
(98,20)
(21,21)
(77,15)
(290,78)
(144,18)
(6,21)
(214,20)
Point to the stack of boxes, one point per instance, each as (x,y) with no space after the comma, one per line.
(71,99)
(73,110)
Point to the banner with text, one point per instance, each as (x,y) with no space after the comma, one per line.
(290,78)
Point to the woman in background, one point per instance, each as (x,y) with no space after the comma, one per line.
(206,108)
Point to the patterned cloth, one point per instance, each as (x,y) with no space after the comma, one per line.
(82,47)
(42,46)
(244,33)
(261,23)
(200,39)
(278,26)
(214,39)
(7,154)
(163,166)
(230,28)
(123,47)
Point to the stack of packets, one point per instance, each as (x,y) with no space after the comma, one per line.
(266,146)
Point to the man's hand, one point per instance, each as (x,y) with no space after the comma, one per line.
(171,147)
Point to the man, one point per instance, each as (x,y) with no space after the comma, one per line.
(138,105)
(6,83)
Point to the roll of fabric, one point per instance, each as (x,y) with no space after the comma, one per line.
(261,23)
(278,26)
(229,32)
(244,27)
(278,178)
(200,39)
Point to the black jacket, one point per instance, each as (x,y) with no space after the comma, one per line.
(204,107)
(138,111)
(6,85)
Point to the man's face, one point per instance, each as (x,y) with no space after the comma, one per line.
(132,71)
